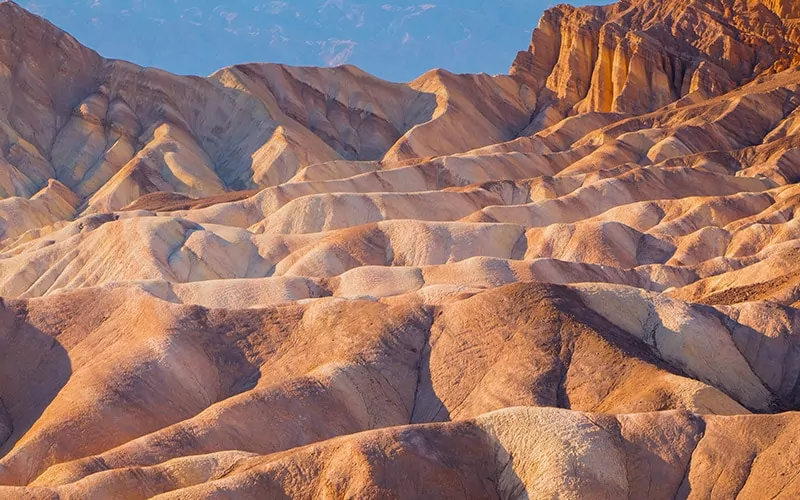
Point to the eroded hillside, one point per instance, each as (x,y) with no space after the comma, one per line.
(579,280)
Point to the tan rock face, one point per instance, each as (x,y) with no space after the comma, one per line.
(580,280)
(638,56)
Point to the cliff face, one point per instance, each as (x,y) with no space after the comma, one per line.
(637,56)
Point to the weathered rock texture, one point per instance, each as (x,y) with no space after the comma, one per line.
(580,280)
(637,56)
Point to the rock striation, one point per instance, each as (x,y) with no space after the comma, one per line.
(579,280)
(637,56)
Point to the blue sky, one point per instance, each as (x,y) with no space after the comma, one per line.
(394,39)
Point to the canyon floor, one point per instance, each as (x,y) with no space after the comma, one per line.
(577,280)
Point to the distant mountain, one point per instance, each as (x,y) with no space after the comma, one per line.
(396,40)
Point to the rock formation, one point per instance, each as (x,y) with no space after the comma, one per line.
(637,56)
(579,280)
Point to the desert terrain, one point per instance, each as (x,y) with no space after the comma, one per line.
(577,280)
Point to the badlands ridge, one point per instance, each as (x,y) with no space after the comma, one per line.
(578,280)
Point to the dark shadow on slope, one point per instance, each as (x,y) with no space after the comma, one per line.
(773,357)
(161,201)
(34,367)
(427,405)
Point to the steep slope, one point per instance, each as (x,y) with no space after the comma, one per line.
(636,56)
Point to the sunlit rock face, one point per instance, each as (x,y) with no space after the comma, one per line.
(638,56)
(579,280)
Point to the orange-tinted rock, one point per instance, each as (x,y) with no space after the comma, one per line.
(577,281)
(638,56)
